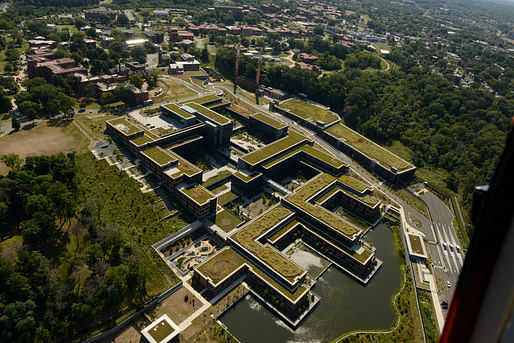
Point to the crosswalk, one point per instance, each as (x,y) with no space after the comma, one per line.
(448,248)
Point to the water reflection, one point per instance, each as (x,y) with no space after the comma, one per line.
(345,304)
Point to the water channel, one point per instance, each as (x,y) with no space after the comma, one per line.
(345,304)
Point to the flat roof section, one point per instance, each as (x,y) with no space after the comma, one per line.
(369,148)
(309,111)
(247,177)
(248,234)
(269,121)
(221,265)
(208,113)
(205,99)
(303,194)
(274,148)
(198,193)
(162,330)
(124,125)
(159,155)
(179,110)
(358,185)
(415,245)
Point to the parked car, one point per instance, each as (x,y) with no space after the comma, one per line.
(444,304)
(449,284)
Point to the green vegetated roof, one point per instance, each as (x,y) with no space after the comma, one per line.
(227,197)
(241,110)
(274,148)
(142,140)
(198,193)
(415,243)
(269,121)
(161,330)
(220,176)
(247,238)
(247,178)
(367,199)
(208,113)
(205,99)
(178,111)
(283,230)
(221,265)
(159,155)
(185,141)
(300,197)
(307,111)
(228,261)
(354,183)
(368,147)
(313,152)
(125,126)
(184,166)
(226,220)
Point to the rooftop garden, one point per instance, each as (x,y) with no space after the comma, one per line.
(141,140)
(178,111)
(225,198)
(367,199)
(300,197)
(249,233)
(325,157)
(208,113)
(185,167)
(189,140)
(352,182)
(226,221)
(283,230)
(269,121)
(369,148)
(221,265)
(308,111)
(198,194)
(292,139)
(220,176)
(241,110)
(416,245)
(161,330)
(292,296)
(125,126)
(247,178)
(159,155)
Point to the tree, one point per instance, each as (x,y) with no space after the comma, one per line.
(122,19)
(139,53)
(15,123)
(153,77)
(12,161)
(205,54)
(136,80)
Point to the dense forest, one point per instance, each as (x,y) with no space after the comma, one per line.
(461,130)
(68,266)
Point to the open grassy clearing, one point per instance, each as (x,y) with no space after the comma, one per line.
(132,213)
(172,91)
(43,139)
(308,111)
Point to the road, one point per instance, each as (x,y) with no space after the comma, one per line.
(446,252)
(130,15)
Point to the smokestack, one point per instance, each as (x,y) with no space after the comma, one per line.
(237,61)
(258,77)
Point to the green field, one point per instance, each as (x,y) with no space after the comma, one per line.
(308,111)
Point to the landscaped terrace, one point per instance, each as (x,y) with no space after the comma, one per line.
(208,113)
(198,194)
(268,120)
(159,155)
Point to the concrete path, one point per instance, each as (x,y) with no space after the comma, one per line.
(435,300)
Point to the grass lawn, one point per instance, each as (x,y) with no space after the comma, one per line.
(43,139)
(172,91)
(139,222)
(176,307)
(226,220)
(307,111)
(94,127)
